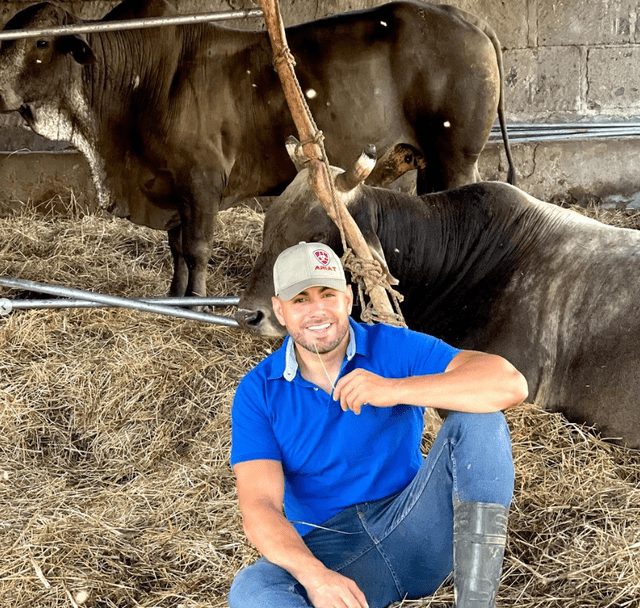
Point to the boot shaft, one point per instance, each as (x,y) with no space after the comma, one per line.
(479,537)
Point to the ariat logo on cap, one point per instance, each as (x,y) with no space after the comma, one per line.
(322,256)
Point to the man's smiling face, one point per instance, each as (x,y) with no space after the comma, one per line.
(317,318)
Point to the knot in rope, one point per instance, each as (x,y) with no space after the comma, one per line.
(372,269)
(317,138)
(284,57)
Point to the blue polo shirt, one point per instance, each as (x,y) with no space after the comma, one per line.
(333,459)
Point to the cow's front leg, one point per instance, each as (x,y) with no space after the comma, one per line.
(198,222)
(180,271)
(196,255)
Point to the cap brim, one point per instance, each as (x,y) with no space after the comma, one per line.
(292,291)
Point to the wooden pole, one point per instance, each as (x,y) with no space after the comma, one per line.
(318,173)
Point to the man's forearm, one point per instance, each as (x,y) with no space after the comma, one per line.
(278,540)
(483,383)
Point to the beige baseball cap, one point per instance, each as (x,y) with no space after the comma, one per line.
(307,265)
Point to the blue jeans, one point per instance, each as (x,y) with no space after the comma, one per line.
(402,545)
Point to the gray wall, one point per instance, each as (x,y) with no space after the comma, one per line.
(564,61)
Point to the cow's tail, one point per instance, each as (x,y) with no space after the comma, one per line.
(511,174)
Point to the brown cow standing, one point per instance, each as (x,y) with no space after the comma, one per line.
(176,120)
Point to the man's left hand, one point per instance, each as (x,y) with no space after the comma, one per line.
(360,387)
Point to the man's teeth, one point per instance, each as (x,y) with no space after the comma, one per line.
(319,327)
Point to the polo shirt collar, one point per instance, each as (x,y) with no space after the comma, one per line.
(358,344)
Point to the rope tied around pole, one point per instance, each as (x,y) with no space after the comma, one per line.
(361,269)
(373,270)
(317,139)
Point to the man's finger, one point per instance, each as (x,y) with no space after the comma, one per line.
(349,399)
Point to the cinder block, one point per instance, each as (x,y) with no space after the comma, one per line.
(586,22)
(24,139)
(613,79)
(606,168)
(13,119)
(511,26)
(540,82)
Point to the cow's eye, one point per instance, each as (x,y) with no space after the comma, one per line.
(42,44)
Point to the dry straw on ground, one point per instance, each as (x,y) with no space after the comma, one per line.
(115,488)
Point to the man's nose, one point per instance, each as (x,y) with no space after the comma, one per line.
(318,304)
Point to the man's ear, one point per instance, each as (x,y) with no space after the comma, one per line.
(277,309)
(78,48)
(349,292)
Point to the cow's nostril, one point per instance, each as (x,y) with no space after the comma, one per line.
(250,318)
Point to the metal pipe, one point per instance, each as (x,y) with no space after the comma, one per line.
(68,292)
(565,125)
(571,132)
(568,133)
(130,24)
(540,138)
(532,132)
(549,133)
(68,303)
(574,128)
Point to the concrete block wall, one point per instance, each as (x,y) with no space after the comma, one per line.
(580,59)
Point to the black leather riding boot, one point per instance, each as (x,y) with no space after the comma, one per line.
(479,536)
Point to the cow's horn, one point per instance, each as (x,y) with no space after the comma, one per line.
(359,171)
(294,150)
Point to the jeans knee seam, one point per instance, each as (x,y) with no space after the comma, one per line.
(378,547)
(449,443)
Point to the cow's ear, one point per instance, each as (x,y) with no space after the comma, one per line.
(78,48)
(378,254)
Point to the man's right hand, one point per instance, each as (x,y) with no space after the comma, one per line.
(329,589)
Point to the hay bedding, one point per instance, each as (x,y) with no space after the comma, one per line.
(115,488)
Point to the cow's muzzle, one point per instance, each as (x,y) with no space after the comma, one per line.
(261,322)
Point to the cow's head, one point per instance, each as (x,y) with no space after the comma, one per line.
(297,215)
(41,77)
(395,162)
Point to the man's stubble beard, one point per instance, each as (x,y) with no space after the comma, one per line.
(314,347)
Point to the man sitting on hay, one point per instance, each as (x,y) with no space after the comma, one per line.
(330,425)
